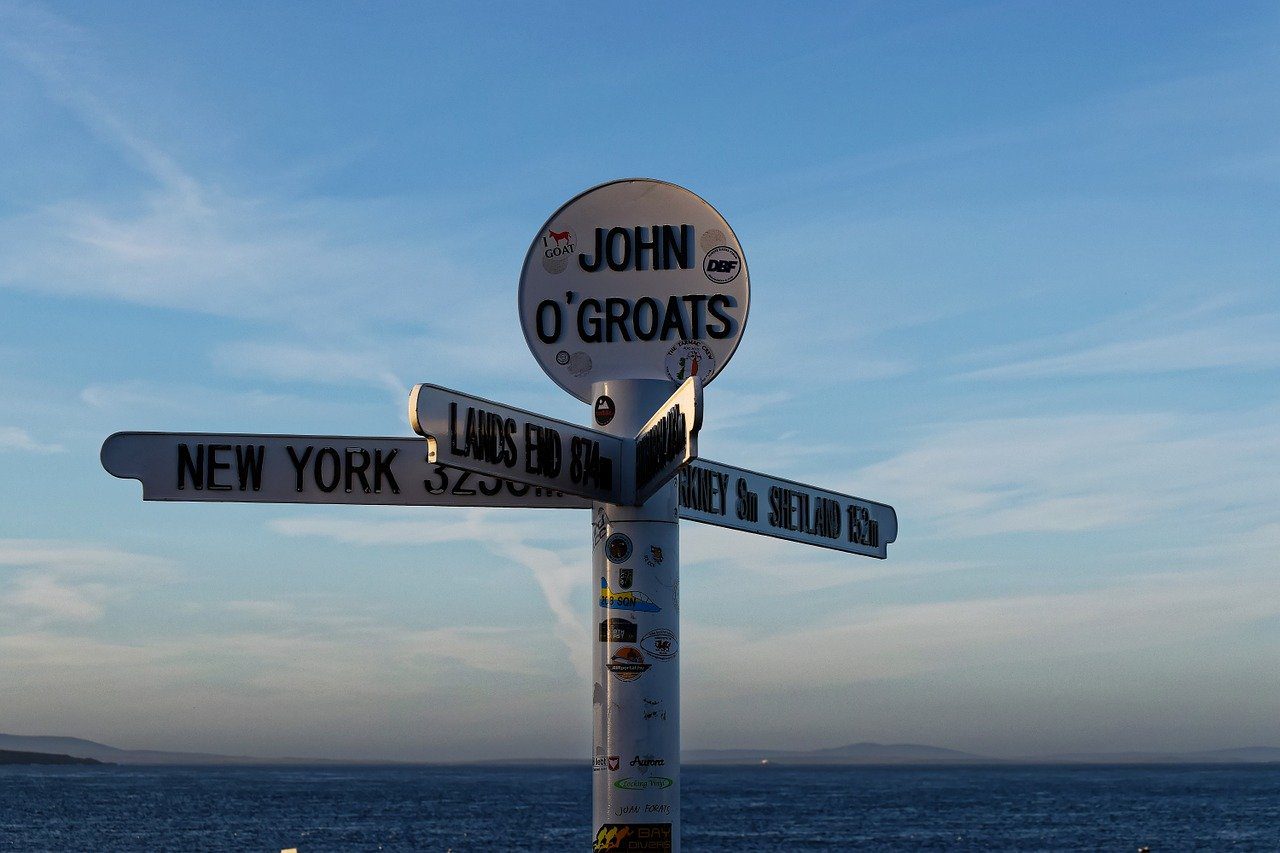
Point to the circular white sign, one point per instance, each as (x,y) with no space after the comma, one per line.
(634,279)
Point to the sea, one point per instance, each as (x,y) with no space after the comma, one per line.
(508,808)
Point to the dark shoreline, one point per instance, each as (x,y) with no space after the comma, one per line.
(21,758)
(497,765)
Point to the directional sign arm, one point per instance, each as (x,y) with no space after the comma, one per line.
(719,494)
(308,469)
(669,440)
(499,440)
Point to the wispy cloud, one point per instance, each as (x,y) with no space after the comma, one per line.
(445,525)
(296,363)
(82,559)
(552,558)
(902,641)
(1198,339)
(1082,472)
(55,52)
(14,438)
(270,675)
(146,404)
(184,241)
(1119,124)
(301,653)
(55,582)
(1151,610)
(143,396)
(789,567)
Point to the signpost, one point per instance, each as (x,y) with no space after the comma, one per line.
(633,297)
(627,289)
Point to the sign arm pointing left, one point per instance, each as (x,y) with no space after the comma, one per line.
(309,469)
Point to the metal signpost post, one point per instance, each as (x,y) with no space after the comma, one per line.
(635,573)
(633,297)
(628,289)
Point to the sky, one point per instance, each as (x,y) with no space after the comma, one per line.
(1014,272)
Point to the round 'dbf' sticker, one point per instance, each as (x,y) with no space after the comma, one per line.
(634,279)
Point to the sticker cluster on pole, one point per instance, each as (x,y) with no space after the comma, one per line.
(633,297)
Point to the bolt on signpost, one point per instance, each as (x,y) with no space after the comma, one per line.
(633,297)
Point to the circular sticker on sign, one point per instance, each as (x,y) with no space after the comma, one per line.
(618,548)
(605,409)
(689,358)
(627,664)
(634,279)
(722,264)
(661,643)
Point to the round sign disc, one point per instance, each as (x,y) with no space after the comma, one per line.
(633,279)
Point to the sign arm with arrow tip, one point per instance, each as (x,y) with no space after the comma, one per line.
(726,496)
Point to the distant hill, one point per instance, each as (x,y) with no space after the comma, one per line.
(913,753)
(9,756)
(1239,755)
(80,748)
(854,753)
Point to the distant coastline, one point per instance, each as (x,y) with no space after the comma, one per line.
(14,756)
(920,755)
(71,750)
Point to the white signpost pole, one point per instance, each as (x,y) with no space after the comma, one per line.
(628,290)
(635,577)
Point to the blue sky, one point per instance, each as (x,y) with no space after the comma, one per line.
(1014,272)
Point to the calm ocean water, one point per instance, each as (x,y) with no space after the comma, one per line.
(725,808)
